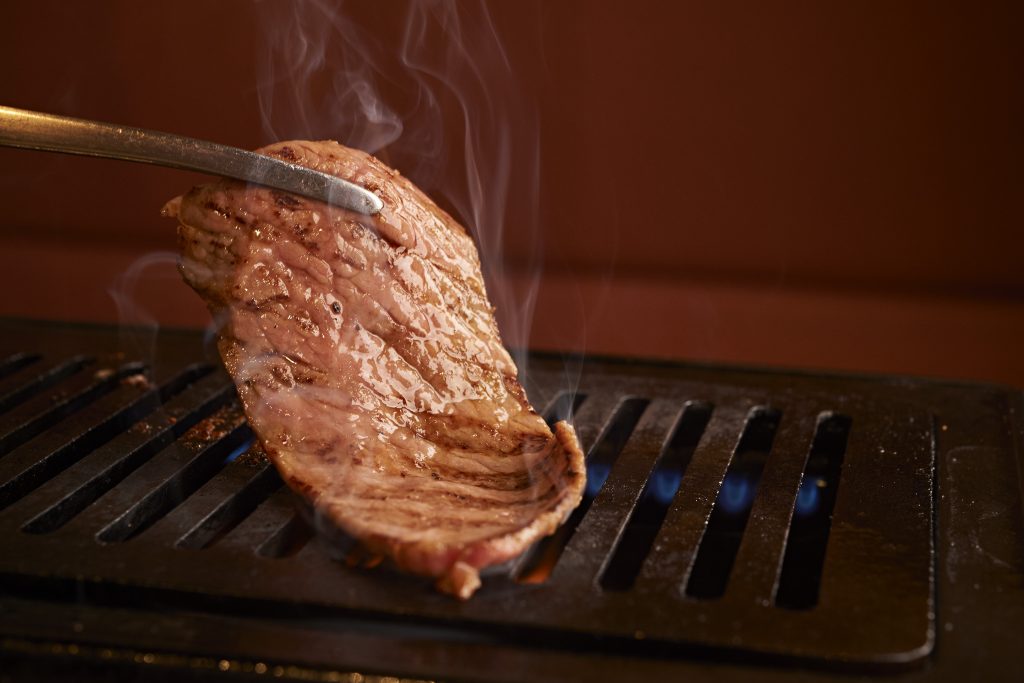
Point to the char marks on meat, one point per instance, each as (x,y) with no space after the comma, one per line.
(368,360)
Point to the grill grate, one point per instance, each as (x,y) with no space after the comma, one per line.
(770,518)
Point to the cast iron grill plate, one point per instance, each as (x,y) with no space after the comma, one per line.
(123,502)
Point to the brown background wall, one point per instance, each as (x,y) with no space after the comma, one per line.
(823,185)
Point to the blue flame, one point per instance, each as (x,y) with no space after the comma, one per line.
(736,495)
(664,485)
(808,499)
(597,473)
(241,448)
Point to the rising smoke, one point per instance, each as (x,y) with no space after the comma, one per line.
(430,89)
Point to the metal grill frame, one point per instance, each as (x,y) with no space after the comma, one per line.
(877,612)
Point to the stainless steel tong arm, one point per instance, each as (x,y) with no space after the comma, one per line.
(33,130)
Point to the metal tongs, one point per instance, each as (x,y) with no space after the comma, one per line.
(33,130)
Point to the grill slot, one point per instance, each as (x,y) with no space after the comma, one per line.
(541,559)
(287,540)
(658,492)
(233,495)
(264,523)
(181,472)
(812,517)
(64,497)
(602,456)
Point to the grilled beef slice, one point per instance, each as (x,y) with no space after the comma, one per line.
(368,360)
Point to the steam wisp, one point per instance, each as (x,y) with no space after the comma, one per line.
(430,89)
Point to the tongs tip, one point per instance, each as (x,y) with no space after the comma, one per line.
(36,130)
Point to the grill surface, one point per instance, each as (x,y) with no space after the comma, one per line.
(784,524)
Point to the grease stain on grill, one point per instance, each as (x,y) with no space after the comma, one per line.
(542,557)
(800,579)
(717,551)
(656,497)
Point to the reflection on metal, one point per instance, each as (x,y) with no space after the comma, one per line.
(47,132)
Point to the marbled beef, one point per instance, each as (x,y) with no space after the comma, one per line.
(369,363)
